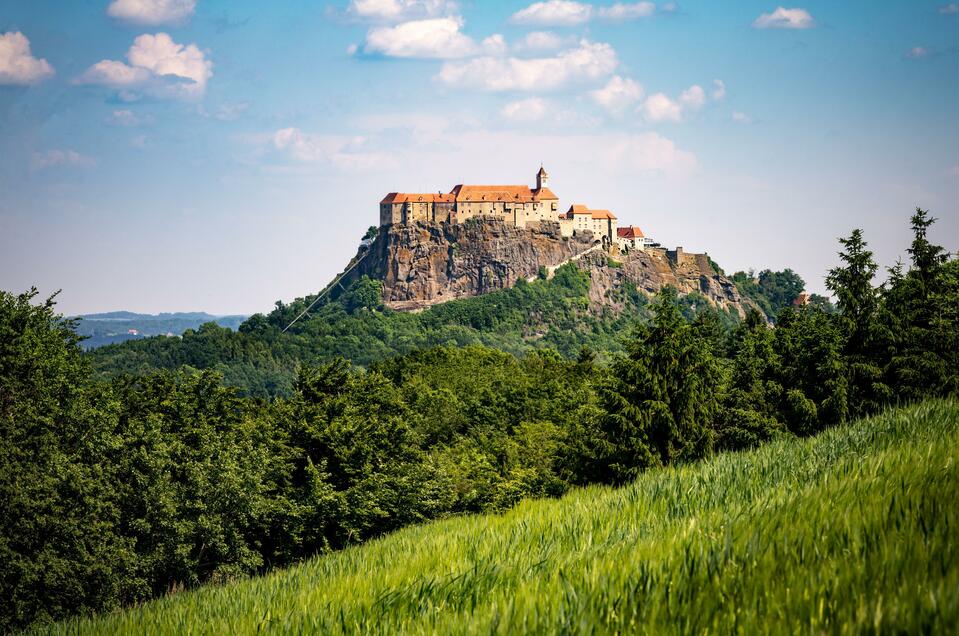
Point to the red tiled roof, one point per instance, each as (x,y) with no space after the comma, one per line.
(602,214)
(577,208)
(630,232)
(403,197)
(501,193)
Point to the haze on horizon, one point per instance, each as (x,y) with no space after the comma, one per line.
(195,155)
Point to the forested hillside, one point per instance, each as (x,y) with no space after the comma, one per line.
(746,542)
(113,492)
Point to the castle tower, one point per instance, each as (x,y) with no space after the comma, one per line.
(542,178)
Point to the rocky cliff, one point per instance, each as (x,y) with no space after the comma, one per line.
(425,264)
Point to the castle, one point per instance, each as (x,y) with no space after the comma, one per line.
(518,205)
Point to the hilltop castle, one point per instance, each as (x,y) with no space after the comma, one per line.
(518,205)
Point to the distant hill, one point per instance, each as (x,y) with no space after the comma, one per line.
(113,327)
(847,532)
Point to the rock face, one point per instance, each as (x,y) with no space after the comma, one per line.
(653,269)
(426,264)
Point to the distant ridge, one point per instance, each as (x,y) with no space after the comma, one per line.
(112,327)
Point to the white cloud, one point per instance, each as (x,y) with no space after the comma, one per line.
(618,93)
(693,97)
(589,61)
(627,11)
(401,10)
(918,52)
(649,152)
(949,9)
(434,38)
(719,90)
(340,151)
(783,18)
(495,45)
(17,64)
(660,108)
(554,13)
(741,118)
(151,12)
(539,41)
(525,110)
(55,158)
(445,141)
(158,65)
(571,13)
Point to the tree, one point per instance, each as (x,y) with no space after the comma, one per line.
(857,300)
(920,321)
(60,549)
(750,402)
(662,401)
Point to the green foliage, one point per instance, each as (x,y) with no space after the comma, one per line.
(259,359)
(59,551)
(112,493)
(662,398)
(847,532)
(772,291)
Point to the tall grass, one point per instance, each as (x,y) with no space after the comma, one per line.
(852,531)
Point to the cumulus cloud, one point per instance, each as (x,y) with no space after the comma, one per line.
(659,107)
(618,94)
(17,63)
(55,158)
(539,41)
(554,13)
(571,13)
(339,151)
(918,52)
(525,110)
(151,12)
(400,10)
(627,11)
(157,65)
(949,9)
(693,97)
(440,38)
(444,141)
(783,18)
(589,61)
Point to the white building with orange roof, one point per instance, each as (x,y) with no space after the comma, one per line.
(515,204)
(632,238)
(579,218)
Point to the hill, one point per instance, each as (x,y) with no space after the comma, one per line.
(121,326)
(849,531)
(478,283)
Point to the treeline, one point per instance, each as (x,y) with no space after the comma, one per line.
(115,492)
(259,359)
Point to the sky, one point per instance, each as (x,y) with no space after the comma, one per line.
(187,155)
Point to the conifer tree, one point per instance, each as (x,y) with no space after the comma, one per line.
(661,406)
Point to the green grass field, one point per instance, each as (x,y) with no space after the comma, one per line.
(854,531)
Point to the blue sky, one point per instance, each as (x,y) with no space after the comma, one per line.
(166,155)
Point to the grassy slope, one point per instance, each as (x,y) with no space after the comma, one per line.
(852,530)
